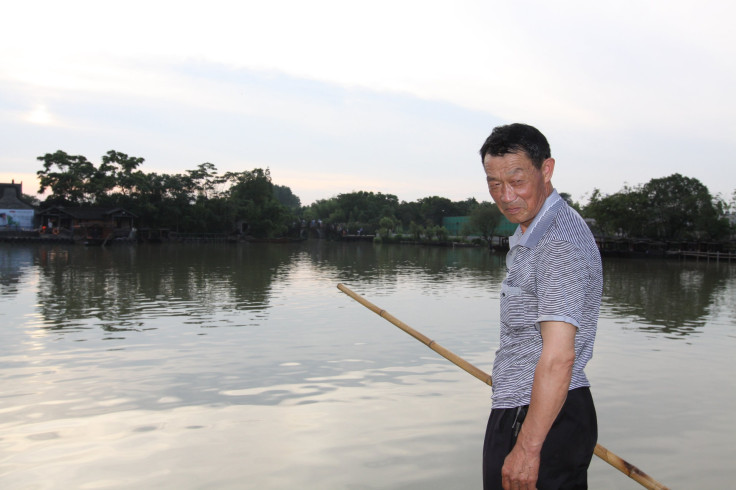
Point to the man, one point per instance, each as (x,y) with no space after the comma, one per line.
(549,312)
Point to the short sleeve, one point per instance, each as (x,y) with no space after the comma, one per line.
(562,280)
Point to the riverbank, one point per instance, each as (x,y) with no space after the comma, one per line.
(32,236)
(631,248)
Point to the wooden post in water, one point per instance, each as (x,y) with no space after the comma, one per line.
(620,464)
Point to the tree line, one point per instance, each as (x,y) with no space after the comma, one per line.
(202,200)
(196,201)
(673,208)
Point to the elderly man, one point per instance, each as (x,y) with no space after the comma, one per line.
(542,429)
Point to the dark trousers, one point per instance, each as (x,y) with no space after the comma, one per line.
(566,452)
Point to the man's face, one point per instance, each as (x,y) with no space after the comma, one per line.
(517,186)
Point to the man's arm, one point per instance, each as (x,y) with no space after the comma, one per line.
(549,391)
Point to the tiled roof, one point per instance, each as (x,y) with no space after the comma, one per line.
(10,197)
(88,213)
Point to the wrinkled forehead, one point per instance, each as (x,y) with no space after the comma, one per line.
(508,165)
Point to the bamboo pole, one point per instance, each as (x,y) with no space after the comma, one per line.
(620,464)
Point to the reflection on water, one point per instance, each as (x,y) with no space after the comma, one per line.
(118,287)
(665,296)
(14,262)
(221,366)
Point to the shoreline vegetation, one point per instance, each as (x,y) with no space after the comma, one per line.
(115,201)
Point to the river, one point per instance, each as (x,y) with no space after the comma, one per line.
(243,366)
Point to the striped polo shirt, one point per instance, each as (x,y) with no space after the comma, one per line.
(553,274)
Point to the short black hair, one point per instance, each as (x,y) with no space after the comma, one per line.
(515,138)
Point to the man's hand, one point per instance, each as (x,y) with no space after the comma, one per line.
(520,469)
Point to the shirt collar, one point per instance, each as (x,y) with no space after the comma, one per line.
(539,225)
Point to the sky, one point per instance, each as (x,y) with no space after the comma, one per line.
(384,96)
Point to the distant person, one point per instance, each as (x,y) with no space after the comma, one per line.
(543,428)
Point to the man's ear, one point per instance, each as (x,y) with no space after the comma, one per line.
(548,168)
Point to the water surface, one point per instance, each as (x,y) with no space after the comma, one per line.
(243,366)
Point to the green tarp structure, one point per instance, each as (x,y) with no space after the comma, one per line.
(455,224)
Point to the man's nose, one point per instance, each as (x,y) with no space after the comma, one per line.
(507,193)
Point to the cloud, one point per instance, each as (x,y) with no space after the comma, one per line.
(387,95)
(317,137)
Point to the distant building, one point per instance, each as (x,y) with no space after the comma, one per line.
(14,212)
(88,221)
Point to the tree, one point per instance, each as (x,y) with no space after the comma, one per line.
(409,213)
(32,200)
(619,214)
(416,231)
(203,180)
(434,208)
(68,176)
(284,195)
(191,201)
(117,172)
(568,199)
(254,201)
(385,225)
(74,180)
(162,201)
(355,209)
(670,209)
(484,219)
(440,232)
(682,208)
(464,208)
